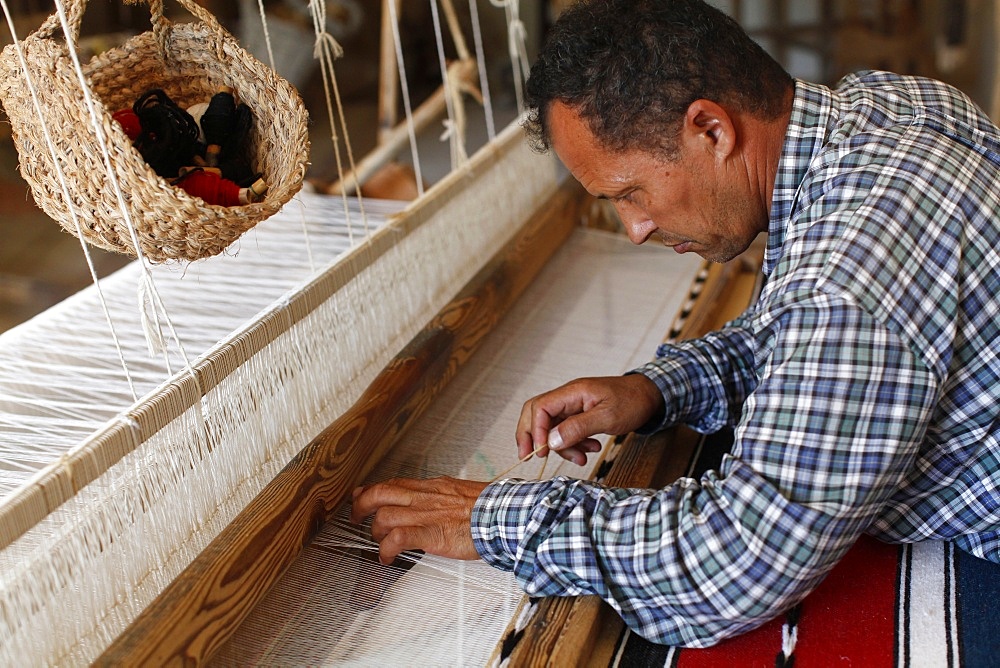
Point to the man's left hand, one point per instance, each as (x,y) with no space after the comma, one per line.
(430,515)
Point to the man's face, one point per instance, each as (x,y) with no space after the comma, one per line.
(698,203)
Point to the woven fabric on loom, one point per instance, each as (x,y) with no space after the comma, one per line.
(927,604)
(583,315)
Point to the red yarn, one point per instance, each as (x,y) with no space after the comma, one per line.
(211,187)
(129,122)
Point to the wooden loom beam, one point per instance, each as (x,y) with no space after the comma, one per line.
(202,608)
(388,72)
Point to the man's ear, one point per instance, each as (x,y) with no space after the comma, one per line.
(709,127)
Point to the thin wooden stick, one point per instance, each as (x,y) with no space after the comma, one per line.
(456,30)
(388,94)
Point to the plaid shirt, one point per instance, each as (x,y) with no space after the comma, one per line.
(864,385)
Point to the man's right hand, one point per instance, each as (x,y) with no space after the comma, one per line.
(565,419)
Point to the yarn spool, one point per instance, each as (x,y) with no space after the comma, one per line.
(129,121)
(190,61)
(197,111)
(214,189)
(235,161)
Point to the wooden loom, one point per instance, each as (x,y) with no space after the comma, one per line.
(203,606)
(206,604)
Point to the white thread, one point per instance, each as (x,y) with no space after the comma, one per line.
(404,88)
(305,233)
(516,47)
(267,34)
(326,49)
(484,84)
(319,22)
(455,124)
(53,154)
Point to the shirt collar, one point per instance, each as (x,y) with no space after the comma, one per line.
(812,112)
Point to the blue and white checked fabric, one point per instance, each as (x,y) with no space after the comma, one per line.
(864,385)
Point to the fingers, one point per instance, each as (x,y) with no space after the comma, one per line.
(397,492)
(578,453)
(429,515)
(398,529)
(536,426)
(566,418)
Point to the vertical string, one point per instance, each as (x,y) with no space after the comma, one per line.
(411,128)
(267,34)
(484,84)
(453,126)
(516,36)
(327,50)
(53,155)
(270,57)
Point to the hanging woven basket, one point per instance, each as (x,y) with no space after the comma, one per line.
(190,62)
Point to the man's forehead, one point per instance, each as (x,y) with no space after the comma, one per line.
(571,136)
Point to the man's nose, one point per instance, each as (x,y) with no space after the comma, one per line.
(638,225)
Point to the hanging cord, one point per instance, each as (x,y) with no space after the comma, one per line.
(484,84)
(462,78)
(516,47)
(327,50)
(270,57)
(267,34)
(411,128)
(53,154)
(455,123)
(149,300)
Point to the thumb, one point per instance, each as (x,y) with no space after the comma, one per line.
(573,430)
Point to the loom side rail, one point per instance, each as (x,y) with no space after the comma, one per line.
(203,607)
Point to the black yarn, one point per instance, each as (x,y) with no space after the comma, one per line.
(227,126)
(235,159)
(219,119)
(169,136)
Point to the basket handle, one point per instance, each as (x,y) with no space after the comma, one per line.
(75,8)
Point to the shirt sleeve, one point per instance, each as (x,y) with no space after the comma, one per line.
(704,381)
(824,439)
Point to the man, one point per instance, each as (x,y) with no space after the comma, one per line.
(863,386)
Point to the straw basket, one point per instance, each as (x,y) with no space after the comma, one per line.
(190,61)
